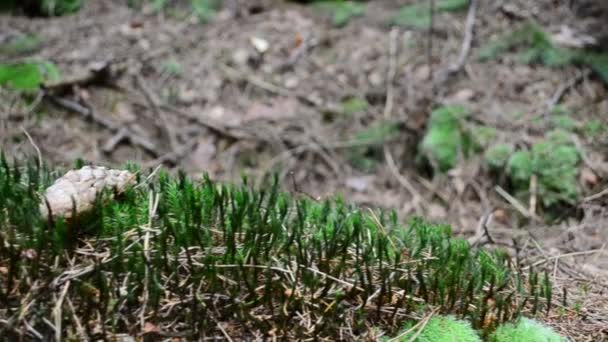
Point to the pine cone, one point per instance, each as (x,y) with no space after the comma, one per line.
(79,189)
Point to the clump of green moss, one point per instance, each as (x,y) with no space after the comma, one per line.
(534,45)
(525,330)
(553,160)
(446,138)
(418,15)
(442,329)
(198,244)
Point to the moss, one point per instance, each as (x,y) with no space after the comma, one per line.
(443,329)
(525,330)
(555,162)
(445,138)
(497,156)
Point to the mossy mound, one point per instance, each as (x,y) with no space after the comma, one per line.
(171,249)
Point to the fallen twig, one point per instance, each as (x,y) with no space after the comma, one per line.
(465,49)
(388,110)
(89,113)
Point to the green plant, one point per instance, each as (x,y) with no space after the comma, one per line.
(525,330)
(205,9)
(21,45)
(27,76)
(369,154)
(497,156)
(418,15)
(184,254)
(536,46)
(442,329)
(60,7)
(555,163)
(342,11)
(446,138)
(594,128)
(354,105)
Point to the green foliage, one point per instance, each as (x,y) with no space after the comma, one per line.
(564,122)
(354,105)
(446,138)
(369,154)
(418,15)
(238,250)
(27,76)
(205,9)
(21,45)
(59,7)
(496,156)
(535,46)
(555,162)
(342,11)
(594,128)
(526,330)
(443,329)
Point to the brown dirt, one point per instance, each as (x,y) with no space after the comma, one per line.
(233,110)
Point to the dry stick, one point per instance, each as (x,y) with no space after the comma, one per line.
(79,328)
(533,193)
(596,196)
(466,45)
(154,104)
(561,91)
(153,205)
(429,51)
(57,312)
(29,137)
(219,325)
(421,324)
(76,107)
(388,110)
(515,203)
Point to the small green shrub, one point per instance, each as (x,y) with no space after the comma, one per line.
(21,45)
(535,46)
(354,105)
(525,330)
(555,162)
(205,9)
(418,15)
(60,7)
(497,156)
(446,138)
(27,76)
(366,158)
(443,329)
(342,11)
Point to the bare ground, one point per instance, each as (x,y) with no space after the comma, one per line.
(205,98)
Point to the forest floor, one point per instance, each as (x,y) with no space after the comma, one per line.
(268,86)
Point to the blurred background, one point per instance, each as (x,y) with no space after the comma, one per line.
(491,116)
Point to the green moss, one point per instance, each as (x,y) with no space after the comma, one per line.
(418,15)
(60,7)
(445,138)
(444,329)
(249,250)
(27,76)
(342,11)
(354,105)
(525,330)
(497,156)
(21,45)
(555,162)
